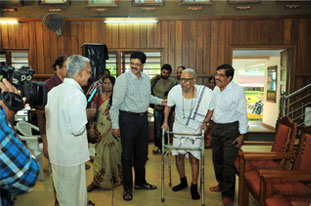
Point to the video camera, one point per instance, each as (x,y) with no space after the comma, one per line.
(35,92)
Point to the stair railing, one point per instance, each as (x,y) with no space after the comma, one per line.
(294,104)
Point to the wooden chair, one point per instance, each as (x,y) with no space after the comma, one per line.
(289,184)
(284,142)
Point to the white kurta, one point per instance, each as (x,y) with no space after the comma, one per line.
(65,124)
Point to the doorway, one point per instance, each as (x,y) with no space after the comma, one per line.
(263,74)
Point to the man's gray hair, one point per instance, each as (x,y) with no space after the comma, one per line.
(192,71)
(75,64)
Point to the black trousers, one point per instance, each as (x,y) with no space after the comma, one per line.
(134,129)
(224,154)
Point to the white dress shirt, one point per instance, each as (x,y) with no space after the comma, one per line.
(229,106)
(65,124)
(131,94)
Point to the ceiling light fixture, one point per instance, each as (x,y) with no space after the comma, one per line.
(130,21)
(8,21)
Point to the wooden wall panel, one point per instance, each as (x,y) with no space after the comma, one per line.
(178,43)
(202,44)
(172,44)
(164,40)
(4,36)
(25,35)
(39,47)
(185,45)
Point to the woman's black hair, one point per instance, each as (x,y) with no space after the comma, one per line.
(112,80)
(60,61)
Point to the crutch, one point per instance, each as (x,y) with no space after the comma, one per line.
(169,146)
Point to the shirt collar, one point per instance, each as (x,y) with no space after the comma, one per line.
(133,76)
(73,83)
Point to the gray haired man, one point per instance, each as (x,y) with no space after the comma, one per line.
(66,133)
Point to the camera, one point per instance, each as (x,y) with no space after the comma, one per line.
(35,92)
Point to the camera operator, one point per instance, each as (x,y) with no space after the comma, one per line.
(19,169)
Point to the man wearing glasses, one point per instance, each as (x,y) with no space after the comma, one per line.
(229,112)
(128,113)
(191,103)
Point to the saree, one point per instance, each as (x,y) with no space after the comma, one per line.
(107,169)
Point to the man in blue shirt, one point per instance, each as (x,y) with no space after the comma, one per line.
(128,113)
(18,167)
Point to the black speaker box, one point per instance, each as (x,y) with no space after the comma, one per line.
(97,54)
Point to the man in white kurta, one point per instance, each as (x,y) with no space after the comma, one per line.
(66,133)
(191,103)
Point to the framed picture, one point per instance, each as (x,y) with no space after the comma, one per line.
(54,1)
(102,3)
(196,2)
(243,1)
(148,2)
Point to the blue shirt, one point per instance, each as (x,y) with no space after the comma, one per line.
(18,169)
(131,94)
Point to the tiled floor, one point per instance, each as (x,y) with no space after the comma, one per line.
(42,195)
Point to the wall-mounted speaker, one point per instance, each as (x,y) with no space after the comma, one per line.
(97,54)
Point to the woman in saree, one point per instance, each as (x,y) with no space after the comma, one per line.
(107,171)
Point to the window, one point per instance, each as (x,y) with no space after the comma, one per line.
(119,62)
(54,1)
(19,59)
(111,63)
(16,59)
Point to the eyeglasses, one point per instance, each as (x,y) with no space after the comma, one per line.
(186,79)
(220,75)
(89,71)
(135,64)
(107,83)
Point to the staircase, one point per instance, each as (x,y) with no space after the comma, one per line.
(297,106)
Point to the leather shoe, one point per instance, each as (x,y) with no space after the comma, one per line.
(145,186)
(180,187)
(127,195)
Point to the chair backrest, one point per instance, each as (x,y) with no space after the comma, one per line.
(25,128)
(303,160)
(285,135)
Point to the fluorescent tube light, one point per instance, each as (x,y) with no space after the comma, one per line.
(8,21)
(128,21)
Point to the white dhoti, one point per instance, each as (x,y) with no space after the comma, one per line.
(186,141)
(70,185)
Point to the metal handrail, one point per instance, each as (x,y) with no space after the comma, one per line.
(298,91)
(298,100)
(285,105)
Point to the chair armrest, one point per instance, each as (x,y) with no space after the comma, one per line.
(284,175)
(268,156)
(24,138)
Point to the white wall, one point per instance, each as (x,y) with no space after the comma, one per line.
(270,109)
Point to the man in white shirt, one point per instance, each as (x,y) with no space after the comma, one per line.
(66,133)
(229,112)
(191,103)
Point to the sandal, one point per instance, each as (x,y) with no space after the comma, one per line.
(90,203)
(91,187)
(215,189)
